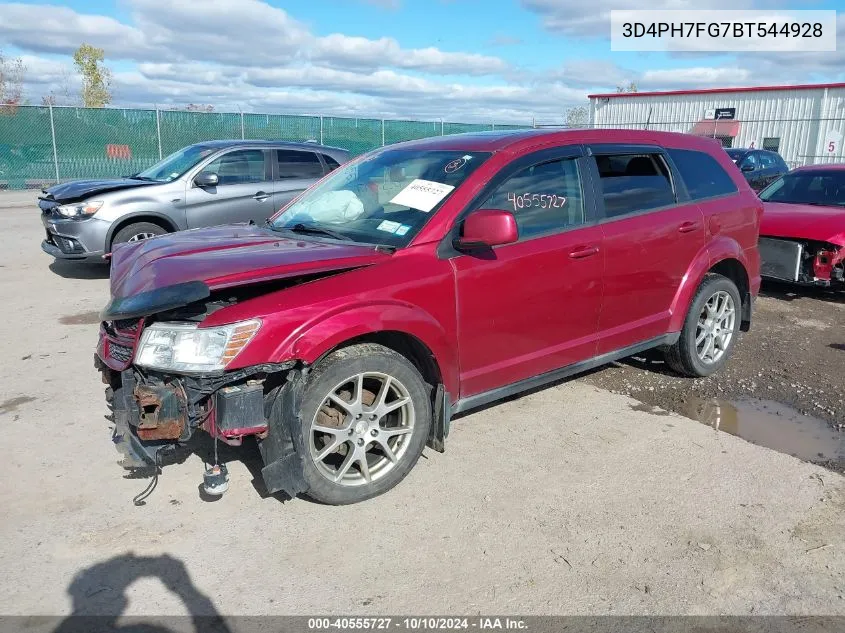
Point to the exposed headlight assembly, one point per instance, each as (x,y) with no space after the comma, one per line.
(184,347)
(80,209)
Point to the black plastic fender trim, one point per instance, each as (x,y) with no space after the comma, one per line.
(284,447)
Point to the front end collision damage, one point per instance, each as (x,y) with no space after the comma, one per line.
(154,414)
(804,262)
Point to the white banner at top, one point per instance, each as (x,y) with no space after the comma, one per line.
(709,30)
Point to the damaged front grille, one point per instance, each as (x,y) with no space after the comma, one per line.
(120,353)
(118,340)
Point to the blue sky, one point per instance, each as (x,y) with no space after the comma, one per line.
(472,60)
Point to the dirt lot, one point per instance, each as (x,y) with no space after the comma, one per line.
(794,355)
(571,500)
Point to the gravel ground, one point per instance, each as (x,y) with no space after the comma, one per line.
(794,354)
(565,501)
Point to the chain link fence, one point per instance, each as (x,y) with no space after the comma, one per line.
(42,145)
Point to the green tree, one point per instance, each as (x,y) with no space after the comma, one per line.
(630,87)
(96,77)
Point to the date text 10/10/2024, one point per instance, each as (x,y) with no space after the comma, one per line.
(416,623)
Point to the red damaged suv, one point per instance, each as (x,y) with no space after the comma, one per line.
(419,281)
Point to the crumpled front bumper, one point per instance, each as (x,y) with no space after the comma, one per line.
(148,418)
(154,413)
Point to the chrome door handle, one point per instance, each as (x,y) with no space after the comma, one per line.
(261,196)
(688,227)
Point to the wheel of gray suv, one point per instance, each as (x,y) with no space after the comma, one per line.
(710,329)
(365,416)
(137,232)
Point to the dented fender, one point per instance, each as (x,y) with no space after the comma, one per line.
(326,331)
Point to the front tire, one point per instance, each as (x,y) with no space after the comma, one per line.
(365,415)
(136,232)
(710,330)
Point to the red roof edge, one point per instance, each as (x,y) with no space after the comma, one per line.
(704,91)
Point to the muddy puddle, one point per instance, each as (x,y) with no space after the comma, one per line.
(773,425)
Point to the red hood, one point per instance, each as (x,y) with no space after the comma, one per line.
(811,222)
(226,256)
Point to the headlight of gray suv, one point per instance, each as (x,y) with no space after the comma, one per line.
(80,209)
(184,347)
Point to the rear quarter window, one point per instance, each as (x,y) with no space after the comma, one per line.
(703,176)
(331,163)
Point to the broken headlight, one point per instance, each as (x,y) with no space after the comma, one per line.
(184,347)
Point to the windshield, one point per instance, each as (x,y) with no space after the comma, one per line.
(822,187)
(176,164)
(736,154)
(383,198)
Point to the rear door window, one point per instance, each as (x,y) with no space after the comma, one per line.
(298,164)
(702,174)
(544,198)
(633,183)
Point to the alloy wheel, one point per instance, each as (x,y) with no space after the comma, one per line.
(715,328)
(362,429)
(141,236)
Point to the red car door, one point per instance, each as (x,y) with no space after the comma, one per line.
(532,306)
(650,240)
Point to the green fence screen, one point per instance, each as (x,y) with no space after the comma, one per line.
(40,145)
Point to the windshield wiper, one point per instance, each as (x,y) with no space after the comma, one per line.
(146,178)
(316,230)
(808,203)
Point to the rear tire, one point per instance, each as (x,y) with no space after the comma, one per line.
(710,330)
(136,232)
(366,414)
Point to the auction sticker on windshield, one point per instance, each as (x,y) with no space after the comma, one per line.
(387,225)
(422,195)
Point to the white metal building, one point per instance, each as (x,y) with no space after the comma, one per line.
(804,123)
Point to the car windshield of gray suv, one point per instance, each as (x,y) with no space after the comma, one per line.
(175,165)
(384,198)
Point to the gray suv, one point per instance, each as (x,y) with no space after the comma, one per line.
(210,183)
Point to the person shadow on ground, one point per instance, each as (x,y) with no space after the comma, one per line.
(99,598)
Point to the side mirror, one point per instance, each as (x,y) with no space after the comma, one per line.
(747,167)
(486,228)
(206,179)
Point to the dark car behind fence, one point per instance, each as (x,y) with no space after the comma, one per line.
(42,145)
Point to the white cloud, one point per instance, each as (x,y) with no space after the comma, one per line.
(58,29)
(574,17)
(359,52)
(249,55)
(247,32)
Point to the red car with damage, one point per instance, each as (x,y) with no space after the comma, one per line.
(420,281)
(802,234)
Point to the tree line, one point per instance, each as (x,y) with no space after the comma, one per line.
(89,87)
